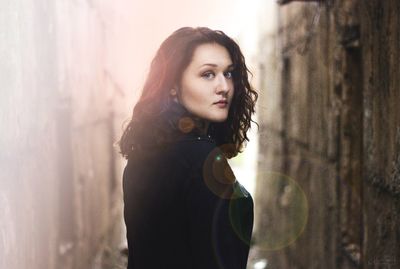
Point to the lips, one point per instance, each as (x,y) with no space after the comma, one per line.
(221,102)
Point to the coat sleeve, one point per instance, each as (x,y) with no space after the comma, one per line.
(220,226)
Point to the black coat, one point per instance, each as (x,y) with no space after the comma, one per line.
(182,210)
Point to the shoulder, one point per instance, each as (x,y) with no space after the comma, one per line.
(193,149)
(206,160)
(184,154)
(241,192)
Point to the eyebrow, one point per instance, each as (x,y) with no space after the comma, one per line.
(215,65)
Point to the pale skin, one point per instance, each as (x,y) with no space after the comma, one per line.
(206,81)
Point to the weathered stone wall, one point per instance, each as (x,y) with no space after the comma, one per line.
(329,145)
(60,201)
(380,39)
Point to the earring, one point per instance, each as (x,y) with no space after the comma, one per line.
(173,95)
(172,92)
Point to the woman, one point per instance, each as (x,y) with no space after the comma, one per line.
(183,207)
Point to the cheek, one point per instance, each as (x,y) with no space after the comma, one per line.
(195,92)
(189,98)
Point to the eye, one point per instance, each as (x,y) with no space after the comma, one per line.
(208,75)
(228,74)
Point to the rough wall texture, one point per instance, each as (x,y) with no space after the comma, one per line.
(380,37)
(59,196)
(331,123)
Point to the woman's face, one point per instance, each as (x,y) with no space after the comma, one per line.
(206,88)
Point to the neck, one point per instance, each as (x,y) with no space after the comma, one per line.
(200,124)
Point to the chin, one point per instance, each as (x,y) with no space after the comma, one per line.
(219,119)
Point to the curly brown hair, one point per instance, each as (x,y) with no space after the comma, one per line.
(148,126)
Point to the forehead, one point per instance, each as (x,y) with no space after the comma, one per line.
(211,53)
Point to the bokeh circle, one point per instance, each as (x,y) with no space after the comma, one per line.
(282,211)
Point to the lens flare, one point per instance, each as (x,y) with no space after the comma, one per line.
(240,217)
(231,224)
(218,175)
(185,124)
(282,213)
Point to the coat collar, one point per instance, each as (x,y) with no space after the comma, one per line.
(187,125)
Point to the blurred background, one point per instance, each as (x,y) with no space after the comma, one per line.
(323,168)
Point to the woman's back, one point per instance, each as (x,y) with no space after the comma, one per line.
(175,215)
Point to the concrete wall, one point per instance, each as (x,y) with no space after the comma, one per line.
(328,186)
(59,195)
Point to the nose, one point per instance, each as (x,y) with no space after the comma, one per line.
(223,85)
